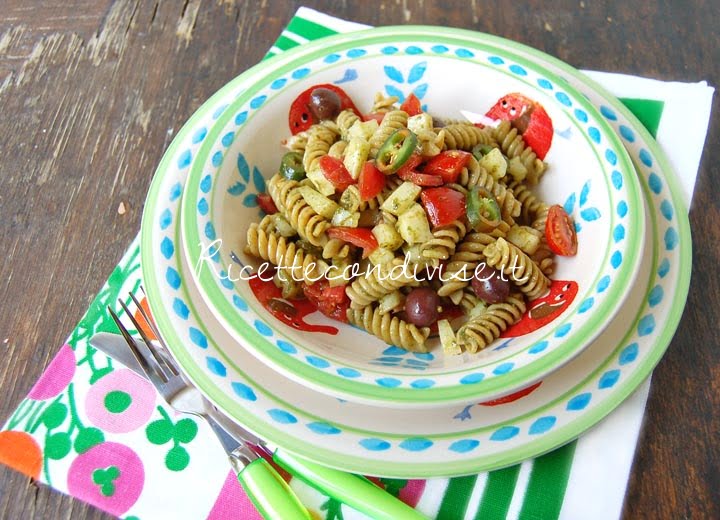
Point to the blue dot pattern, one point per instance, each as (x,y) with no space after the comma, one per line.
(472,379)
(579,402)
(464,445)
(427,383)
(323,428)
(542,425)
(243,391)
(375,444)
(626,356)
(172,277)
(505,433)
(216,366)
(282,416)
(416,444)
(317,362)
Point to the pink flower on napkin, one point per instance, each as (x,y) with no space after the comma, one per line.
(120,402)
(56,377)
(110,476)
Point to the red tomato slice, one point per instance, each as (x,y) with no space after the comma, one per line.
(448,164)
(413,162)
(513,397)
(421,179)
(411,105)
(371,181)
(361,237)
(331,301)
(560,232)
(266,203)
(377,116)
(321,290)
(300,117)
(407,173)
(539,133)
(335,171)
(443,205)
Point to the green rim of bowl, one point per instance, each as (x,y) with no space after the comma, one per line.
(547,442)
(432,396)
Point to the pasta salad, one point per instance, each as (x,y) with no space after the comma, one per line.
(404,224)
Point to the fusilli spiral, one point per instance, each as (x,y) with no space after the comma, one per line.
(532,207)
(383,104)
(335,248)
(320,139)
(393,121)
(389,328)
(483,329)
(462,264)
(279,188)
(445,239)
(381,280)
(345,120)
(464,137)
(309,224)
(513,145)
(284,254)
(517,266)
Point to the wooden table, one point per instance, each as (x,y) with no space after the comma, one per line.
(92,91)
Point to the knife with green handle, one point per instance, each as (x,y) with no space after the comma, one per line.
(270,494)
(256,474)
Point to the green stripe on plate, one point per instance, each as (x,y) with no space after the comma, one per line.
(498,493)
(457,496)
(548,481)
(648,111)
(285,43)
(308,29)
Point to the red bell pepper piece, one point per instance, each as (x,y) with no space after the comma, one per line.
(407,173)
(266,203)
(448,164)
(360,237)
(335,171)
(371,181)
(411,105)
(333,302)
(443,205)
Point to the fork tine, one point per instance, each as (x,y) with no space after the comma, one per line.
(146,316)
(153,328)
(159,362)
(132,345)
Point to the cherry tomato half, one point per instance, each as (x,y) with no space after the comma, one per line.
(560,232)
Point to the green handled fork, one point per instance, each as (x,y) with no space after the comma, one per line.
(268,491)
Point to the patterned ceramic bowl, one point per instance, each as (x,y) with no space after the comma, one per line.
(589,173)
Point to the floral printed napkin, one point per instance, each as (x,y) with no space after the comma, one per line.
(93,429)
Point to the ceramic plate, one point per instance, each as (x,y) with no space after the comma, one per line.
(589,173)
(444,441)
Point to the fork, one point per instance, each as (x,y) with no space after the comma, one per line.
(264,486)
(268,491)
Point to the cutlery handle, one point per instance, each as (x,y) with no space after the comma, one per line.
(355,491)
(270,494)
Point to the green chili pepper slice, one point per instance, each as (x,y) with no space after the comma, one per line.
(483,211)
(481,150)
(396,150)
(291,166)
